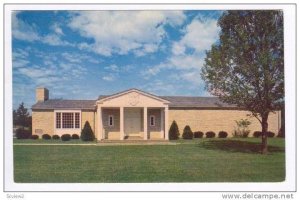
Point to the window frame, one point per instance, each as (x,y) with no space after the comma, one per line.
(61,119)
(152,117)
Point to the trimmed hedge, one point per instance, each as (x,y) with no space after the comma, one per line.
(87,133)
(55,137)
(75,137)
(34,137)
(198,134)
(174,131)
(210,134)
(222,134)
(66,137)
(270,134)
(187,133)
(259,133)
(21,133)
(46,136)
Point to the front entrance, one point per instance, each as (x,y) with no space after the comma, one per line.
(132,120)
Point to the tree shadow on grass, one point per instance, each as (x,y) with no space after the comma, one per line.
(238,146)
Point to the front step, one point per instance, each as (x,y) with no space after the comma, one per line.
(140,141)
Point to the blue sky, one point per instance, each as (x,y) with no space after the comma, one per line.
(83,54)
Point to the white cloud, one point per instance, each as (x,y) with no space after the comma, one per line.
(79,58)
(178,49)
(159,87)
(57,29)
(180,62)
(54,40)
(113,68)
(120,32)
(19,58)
(22,30)
(199,35)
(109,77)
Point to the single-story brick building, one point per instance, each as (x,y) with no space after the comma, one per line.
(137,113)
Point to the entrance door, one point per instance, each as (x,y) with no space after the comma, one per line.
(132,118)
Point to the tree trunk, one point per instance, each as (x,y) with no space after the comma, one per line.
(264,137)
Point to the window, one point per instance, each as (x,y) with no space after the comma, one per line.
(77,120)
(152,120)
(58,120)
(67,120)
(110,120)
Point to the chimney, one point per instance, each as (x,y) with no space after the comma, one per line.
(42,94)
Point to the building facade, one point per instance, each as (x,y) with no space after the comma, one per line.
(138,114)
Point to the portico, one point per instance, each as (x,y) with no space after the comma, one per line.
(132,113)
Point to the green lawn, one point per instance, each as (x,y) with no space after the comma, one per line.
(201,160)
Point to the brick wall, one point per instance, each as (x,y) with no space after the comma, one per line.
(218,120)
(42,122)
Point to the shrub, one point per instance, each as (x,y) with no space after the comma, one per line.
(21,133)
(174,131)
(34,137)
(66,137)
(87,133)
(281,132)
(210,134)
(187,133)
(257,134)
(198,134)
(55,137)
(46,136)
(223,134)
(242,128)
(270,134)
(75,137)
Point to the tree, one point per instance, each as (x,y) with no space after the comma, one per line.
(87,133)
(187,133)
(174,131)
(21,116)
(246,66)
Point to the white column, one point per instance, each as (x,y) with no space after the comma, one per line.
(121,123)
(100,124)
(162,123)
(145,124)
(166,123)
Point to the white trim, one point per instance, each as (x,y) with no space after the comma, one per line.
(112,121)
(132,90)
(152,116)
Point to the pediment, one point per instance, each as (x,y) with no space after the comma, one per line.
(133,98)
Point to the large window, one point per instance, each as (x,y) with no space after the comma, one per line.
(68,120)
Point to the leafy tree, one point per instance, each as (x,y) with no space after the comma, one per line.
(246,66)
(174,131)
(87,133)
(21,116)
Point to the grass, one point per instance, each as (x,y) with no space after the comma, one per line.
(198,160)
